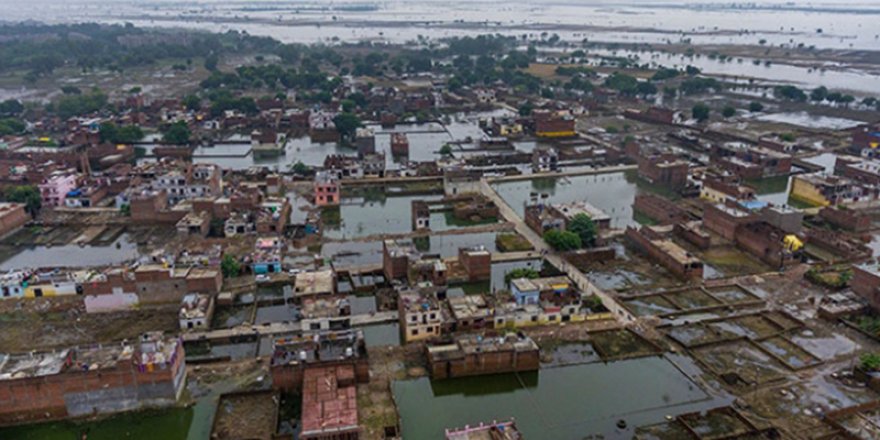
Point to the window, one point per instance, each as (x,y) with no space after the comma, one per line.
(433,316)
(430,329)
(414,332)
(534,319)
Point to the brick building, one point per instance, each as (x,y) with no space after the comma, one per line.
(292,355)
(664,170)
(866,284)
(724,220)
(765,242)
(473,355)
(666,252)
(659,209)
(849,219)
(12,217)
(476,262)
(79,382)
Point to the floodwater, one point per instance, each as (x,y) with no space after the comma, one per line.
(613,193)
(366,253)
(379,214)
(381,335)
(554,403)
(804,119)
(830,76)
(69,255)
(826,160)
(830,24)
(425,139)
(170,424)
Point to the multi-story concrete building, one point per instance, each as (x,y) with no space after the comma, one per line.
(326,189)
(54,188)
(422,315)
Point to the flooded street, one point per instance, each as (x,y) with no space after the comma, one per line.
(555,403)
(613,193)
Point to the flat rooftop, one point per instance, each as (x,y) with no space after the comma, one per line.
(569,210)
(309,348)
(470,344)
(328,406)
(313,283)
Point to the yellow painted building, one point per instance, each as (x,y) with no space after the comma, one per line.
(556,134)
(814,190)
(713,195)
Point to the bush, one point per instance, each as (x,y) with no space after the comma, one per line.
(584,227)
(756,106)
(870,361)
(230,266)
(563,240)
(700,112)
(521,272)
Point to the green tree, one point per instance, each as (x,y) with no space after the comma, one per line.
(582,225)
(27,194)
(11,107)
(870,361)
(623,83)
(790,93)
(692,71)
(728,111)
(176,134)
(664,74)
(125,209)
(700,112)
(819,94)
(230,267)
(11,126)
(211,62)
(756,106)
(300,168)
(446,150)
(127,134)
(347,124)
(75,105)
(192,102)
(526,109)
(562,240)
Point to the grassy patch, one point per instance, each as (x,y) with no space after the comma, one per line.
(512,242)
(474,288)
(769,185)
(643,219)
(331,216)
(452,220)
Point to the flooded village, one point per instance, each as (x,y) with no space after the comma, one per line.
(487,230)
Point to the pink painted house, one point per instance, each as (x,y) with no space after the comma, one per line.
(326,189)
(54,188)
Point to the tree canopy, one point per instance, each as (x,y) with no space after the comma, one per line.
(126,134)
(230,267)
(562,240)
(700,112)
(347,124)
(582,225)
(176,134)
(27,194)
